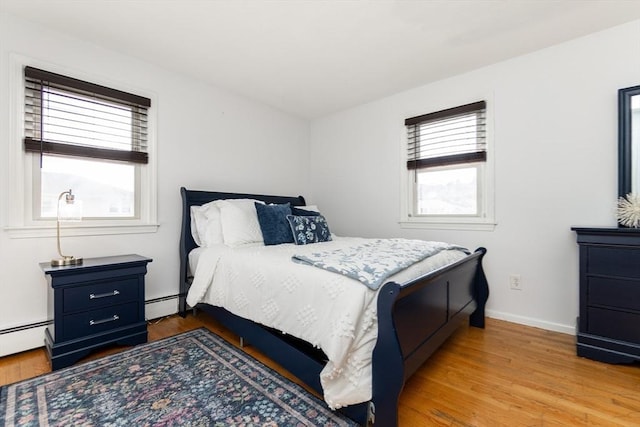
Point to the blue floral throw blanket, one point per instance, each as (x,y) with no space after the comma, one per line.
(373,262)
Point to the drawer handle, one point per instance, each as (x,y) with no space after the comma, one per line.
(105,295)
(108,319)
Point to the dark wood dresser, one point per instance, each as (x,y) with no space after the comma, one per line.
(609,322)
(96,303)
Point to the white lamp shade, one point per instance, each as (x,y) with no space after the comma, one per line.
(69,211)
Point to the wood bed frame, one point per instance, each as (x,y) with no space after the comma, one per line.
(414,319)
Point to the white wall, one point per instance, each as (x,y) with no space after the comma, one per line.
(207,138)
(555,142)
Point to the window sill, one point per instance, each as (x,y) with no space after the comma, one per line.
(448,225)
(49,230)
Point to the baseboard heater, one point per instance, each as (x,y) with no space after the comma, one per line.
(47,322)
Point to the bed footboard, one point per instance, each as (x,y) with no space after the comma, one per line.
(415,319)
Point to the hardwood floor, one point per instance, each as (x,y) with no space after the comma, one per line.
(504,375)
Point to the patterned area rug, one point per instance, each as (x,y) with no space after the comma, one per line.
(192,379)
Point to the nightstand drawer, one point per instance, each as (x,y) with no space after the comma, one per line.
(108,293)
(617,325)
(619,293)
(617,262)
(100,320)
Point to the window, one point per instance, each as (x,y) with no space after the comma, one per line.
(446,167)
(85,137)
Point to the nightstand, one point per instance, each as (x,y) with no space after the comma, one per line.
(97,303)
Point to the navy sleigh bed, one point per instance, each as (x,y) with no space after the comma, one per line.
(414,319)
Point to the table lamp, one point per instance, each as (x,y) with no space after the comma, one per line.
(69,210)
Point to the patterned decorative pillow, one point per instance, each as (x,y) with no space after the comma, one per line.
(273,223)
(309,229)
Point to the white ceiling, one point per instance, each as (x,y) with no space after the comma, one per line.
(313,57)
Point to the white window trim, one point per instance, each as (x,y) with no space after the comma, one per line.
(483,222)
(20,222)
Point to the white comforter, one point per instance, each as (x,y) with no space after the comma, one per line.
(328,310)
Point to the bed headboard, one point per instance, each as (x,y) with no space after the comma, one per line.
(187,244)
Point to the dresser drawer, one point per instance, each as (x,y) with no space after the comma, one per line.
(100,320)
(611,261)
(96,295)
(617,325)
(618,293)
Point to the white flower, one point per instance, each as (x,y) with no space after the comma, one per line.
(629,210)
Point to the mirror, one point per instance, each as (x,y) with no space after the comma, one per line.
(628,141)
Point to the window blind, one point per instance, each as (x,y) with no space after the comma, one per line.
(72,117)
(448,137)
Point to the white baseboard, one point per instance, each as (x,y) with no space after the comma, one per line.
(529,321)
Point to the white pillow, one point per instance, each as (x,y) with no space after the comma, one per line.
(239,221)
(197,218)
(206,227)
(213,231)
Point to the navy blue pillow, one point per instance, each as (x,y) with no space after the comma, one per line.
(303,212)
(273,223)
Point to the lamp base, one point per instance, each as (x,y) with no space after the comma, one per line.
(66,260)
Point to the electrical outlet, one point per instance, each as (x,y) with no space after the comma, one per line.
(515,282)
